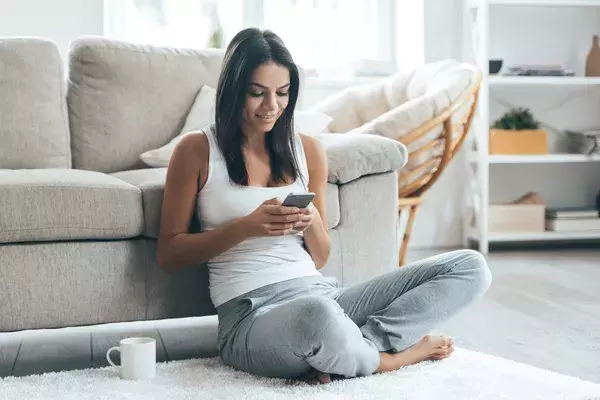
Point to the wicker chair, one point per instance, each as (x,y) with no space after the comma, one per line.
(432,120)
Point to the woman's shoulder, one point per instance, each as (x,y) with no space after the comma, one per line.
(313,150)
(193,147)
(310,144)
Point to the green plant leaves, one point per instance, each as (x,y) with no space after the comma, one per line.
(517,119)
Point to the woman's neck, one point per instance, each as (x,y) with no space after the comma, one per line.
(255,140)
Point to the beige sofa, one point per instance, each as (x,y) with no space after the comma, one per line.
(79,211)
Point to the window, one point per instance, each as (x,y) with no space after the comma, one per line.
(340,38)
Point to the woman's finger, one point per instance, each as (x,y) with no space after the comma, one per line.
(281,210)
(284,219)
(305,211)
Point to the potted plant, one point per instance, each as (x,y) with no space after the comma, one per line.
(518,132)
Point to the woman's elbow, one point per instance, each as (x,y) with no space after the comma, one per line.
(321,259)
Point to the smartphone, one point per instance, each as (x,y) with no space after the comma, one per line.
(300,200)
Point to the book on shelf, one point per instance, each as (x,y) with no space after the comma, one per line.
(572,212)
(572,219)
(566,225)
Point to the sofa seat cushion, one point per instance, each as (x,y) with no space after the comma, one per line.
(151,182)
(67,204)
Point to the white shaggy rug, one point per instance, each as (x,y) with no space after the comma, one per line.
(465,375)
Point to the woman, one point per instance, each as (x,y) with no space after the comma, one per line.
(278,316)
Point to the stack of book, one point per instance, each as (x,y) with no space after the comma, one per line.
(539,70)
(572,219)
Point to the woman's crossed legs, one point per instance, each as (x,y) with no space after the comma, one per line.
(375,326)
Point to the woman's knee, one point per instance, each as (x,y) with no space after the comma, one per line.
(314,311)
(323,321)
(315,308)
(474,264)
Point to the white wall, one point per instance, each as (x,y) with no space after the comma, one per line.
(438,223)
(57,20)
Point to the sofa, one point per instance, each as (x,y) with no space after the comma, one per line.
(79,210)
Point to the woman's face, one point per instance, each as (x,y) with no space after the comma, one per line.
(267,97)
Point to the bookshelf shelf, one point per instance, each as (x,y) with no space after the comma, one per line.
(536,236)
(540,33)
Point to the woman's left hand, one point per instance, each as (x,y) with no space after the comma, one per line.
(307,219)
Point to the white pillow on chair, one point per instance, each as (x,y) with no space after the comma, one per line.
(202,114)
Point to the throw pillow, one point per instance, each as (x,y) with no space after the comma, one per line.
(202,114)
(311,122)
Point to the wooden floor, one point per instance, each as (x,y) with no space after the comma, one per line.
(543,309)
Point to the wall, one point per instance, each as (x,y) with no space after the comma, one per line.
(57,20)
(438,223)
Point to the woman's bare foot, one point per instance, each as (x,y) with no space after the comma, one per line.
(428,348)
(315,377)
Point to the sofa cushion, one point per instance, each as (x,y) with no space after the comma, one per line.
(66,204)
(125,99)
(351,156)
(34,131)
(152,184)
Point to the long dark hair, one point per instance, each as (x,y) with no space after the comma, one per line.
(249,49)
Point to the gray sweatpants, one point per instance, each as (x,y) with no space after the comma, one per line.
(284,329)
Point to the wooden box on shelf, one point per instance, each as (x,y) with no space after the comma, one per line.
(517,218)
(526,141)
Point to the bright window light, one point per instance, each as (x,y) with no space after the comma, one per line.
(330,38)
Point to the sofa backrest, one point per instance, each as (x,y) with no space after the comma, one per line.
(34,130)
(125,99)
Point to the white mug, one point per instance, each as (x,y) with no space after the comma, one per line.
(138,358)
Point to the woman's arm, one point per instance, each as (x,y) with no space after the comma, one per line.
(186,174)
(316,236)
(177,247)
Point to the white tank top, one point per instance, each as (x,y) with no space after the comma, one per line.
(257,261)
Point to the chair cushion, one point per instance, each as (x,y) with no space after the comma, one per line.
(152,184)
(34,130)
(67,204)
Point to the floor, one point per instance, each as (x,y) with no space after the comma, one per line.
(543,309)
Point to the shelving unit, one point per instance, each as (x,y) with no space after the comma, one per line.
(547,236)
(494,80)
(542,3)
(535,159)
(478,49)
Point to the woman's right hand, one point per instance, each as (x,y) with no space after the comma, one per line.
(271,219)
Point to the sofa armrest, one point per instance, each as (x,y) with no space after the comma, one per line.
(351,156)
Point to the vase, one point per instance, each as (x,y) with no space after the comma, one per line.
(592,62)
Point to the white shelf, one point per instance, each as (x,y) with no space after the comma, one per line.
(537,236)
(478,48)
(500,80)
(546,3)
(536,159)
(540,3)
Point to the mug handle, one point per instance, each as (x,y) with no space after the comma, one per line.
(117,348)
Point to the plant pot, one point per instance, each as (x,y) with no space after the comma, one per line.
(505,141)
